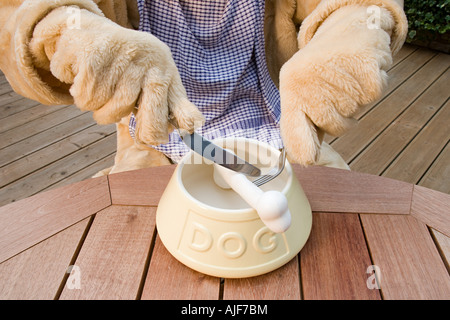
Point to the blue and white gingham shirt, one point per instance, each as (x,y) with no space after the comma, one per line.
(218,48)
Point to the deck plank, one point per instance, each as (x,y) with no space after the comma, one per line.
(53,152)
(437,176)
(5,89)
(46,263)
(10,97)
(410,264)
(15,104)
(45,138)
(23,117)
(125,233)
(385,148)
(335,253)
(38,125)
(417,157)
(56,171)
(405,51)
(372,124)
(3,79)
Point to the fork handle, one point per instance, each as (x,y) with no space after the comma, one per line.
(271,206)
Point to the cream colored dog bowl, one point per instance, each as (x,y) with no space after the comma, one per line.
(214,231)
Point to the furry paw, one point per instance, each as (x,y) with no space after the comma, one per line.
(300,138)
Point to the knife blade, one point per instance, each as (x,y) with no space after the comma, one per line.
(221,156)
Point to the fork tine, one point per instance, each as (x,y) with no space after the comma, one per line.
(263,181)
(274,172)
(267,179)
(265,176)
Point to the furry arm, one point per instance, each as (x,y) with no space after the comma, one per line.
(18,19)
(312,13)
(110,68)
(342,67)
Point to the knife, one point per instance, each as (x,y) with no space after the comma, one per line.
(223,157)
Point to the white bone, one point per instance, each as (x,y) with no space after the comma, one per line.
(271,206)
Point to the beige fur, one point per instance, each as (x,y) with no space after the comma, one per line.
(323,85)
(325,8)
(280,33)
(16,60)
(132,155)
(109,82)
(341,66)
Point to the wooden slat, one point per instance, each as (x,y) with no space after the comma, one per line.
(281,284)
(437,176)
(34,219)
(4,85)
(3,79)
(12,105)
(12,97)
(112,259)
(334,261)
(368,128)
(413,162)
(410,265)
(85,173)
(432,207)
(23,117)
(140,187)
(5,89)
(37,273)
(383,150)
(169,279)
(45,138)
(404,52)
(54,152)
(335,190)
(57,171)
(38,125)
(443,245)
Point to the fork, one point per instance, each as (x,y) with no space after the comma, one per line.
(274,172)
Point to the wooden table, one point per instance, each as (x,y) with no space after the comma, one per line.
(97,240)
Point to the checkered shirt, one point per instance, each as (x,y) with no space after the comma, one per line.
(218,48)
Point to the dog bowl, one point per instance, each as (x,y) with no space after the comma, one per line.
(214,231)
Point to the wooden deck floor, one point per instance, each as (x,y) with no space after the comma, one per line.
(405,135)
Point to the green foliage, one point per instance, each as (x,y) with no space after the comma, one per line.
(427,17)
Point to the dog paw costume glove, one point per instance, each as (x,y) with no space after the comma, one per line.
(340,69)
(111,69)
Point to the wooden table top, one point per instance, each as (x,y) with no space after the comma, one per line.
(97,239)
